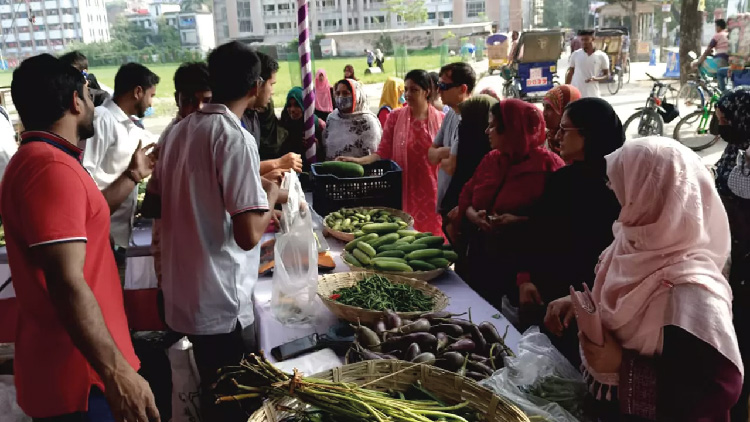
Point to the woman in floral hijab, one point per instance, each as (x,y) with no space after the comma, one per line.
(352,130)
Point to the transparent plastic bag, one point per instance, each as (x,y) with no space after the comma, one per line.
(541,381)
(295,275)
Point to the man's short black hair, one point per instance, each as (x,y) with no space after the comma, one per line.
(721,23)
(234,70)
(461,73)
(584,32)
(268,65)
(133,75)
(42,90)
(191,77)
(75,59)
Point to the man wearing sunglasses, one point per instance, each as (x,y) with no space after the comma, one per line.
(455,85)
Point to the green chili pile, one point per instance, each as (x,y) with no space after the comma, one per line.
(377,293)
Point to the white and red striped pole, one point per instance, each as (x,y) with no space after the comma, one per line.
(305,61)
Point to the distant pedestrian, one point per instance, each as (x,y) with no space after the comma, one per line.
(588,67)
(370,58)
(379,59)
(349,72)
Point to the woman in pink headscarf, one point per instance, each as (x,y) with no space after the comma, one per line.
(323,95)
(668,350)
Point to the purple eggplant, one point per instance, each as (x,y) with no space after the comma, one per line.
(478,338)
(463,345)
(476,376)
(479,367)
(442,341)
(412,352)
(419,326)
(439,315)
(452,330)
(392,320)
(451,361)
(490,333)
(367,338)
(426,357)
(426,342)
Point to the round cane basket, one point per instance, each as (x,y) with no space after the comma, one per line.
(328,283)
(395,375)
(419,275)
(348,237)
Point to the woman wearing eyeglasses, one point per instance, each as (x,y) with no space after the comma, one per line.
(509,180)
(407,136)
(352,130)
(571,224)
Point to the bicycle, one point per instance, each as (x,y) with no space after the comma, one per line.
(706,131)
(654,114)
(700,86)
(614,83)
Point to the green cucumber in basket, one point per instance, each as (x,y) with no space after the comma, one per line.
(381,228)
(411,247)
(388,259)
(407,233)
(384,240)
(352,260)
(407,239)
(359,233)
(353,244)
(421,265)
(421,235)
(439,262)
(432,241)
(450,256)
(391,254)
(362,258)
(425,254)
(447,247)
(369,250)
(340,169)
(389,247)
(392,266)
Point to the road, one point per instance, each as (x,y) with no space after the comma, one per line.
(625,102)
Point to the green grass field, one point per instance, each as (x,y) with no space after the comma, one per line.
(334,68)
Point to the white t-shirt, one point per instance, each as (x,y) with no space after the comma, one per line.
(8,144)
(447,136)
(107,155)
(208,171)
(588,66)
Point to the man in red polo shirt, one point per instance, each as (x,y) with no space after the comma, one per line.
(74,358)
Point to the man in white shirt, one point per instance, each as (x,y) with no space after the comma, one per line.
(456,82)
(215,206)
(588,67)
(108,153)
(8,144)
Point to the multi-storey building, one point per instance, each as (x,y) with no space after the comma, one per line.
(196,27)
(275,21)
(31,27)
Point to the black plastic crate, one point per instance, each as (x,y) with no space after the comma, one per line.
(379,187)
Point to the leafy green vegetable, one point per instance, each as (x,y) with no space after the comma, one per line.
(378,293)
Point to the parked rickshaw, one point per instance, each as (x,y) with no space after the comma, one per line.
(610,41)
(497,51)
(533,68)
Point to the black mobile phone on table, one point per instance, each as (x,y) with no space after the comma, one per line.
(296,347)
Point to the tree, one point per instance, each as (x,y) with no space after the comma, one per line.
(411,11)
(195,5)
(169,36)
(691,26)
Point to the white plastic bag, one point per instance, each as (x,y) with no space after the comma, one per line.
(295,275)
(185,382)
(538,366)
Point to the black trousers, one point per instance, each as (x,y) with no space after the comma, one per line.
(213,352)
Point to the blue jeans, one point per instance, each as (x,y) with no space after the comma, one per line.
(99,411)
(721,77)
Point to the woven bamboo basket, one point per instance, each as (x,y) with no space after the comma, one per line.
(348,237)
(419,275)
(395,375)
(328,283)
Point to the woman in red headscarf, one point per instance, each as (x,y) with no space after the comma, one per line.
(509,180)
(555,102)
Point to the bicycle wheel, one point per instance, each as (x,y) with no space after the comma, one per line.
(614,84)
(626,71)
(693,132)
(690,97)
(510,91)
(643,123)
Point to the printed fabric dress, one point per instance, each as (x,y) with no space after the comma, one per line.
(406,141)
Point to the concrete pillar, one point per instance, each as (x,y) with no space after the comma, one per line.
(516,15)
(492,8)
(259,24)
(233,19)
(344,15)
(361,14)
(459,11)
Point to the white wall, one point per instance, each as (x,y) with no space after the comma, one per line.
(204,25)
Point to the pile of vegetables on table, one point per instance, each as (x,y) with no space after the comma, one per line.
(377,293)
(386,247)
(437,338)
(351,220)
(256,378)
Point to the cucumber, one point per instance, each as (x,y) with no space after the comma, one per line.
(362,257)
(447,247)
(380,228)
(407,239)
(391,259)
(439,262)
(351,245)
(366,248)
(421,235)
(450,256)
(421,265)
(425,254)
(359,233)
(352,260)
(431,241)
(390,247)
(407,233)
(393,266)
(411,247)
(391,254)
(340,169)
(384,240)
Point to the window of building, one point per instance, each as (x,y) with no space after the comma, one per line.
(271,27)
(285,25)
(246,26)
(284,7)
(5,16)
(243,14)
(269,8)
(39,27)
(12,45)
(430,15)
(226,31)
(26,44)
(67,11)
(41,43)
(474,8)
(447,15)
(23,29)
(7,31)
